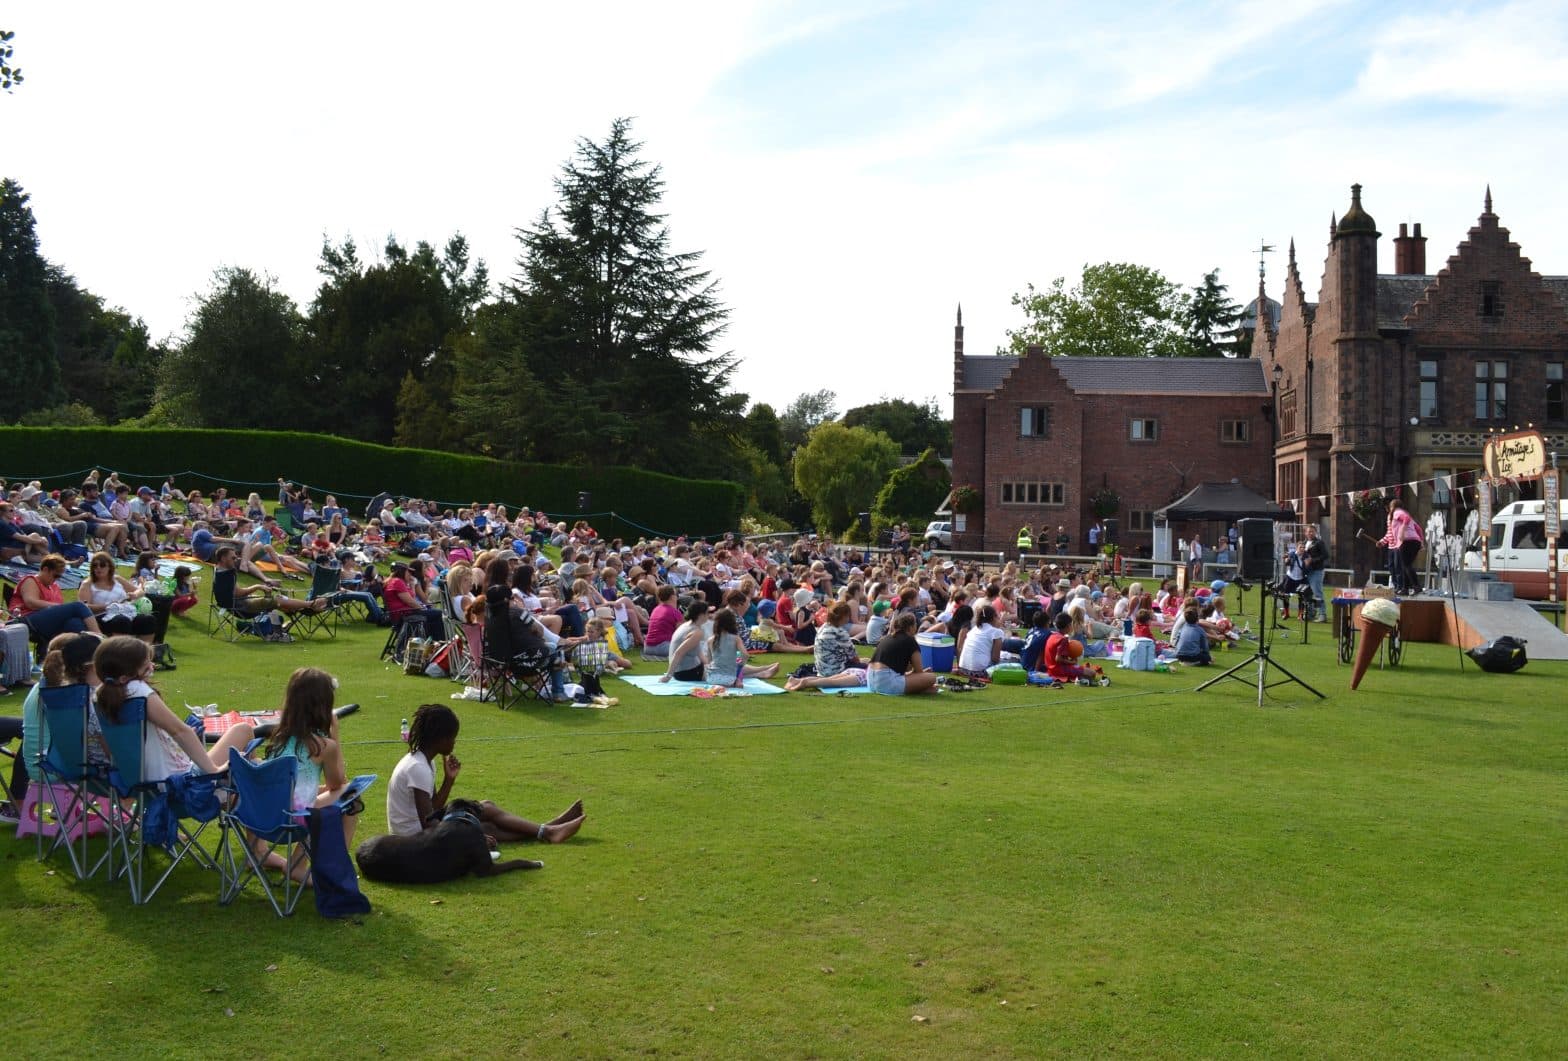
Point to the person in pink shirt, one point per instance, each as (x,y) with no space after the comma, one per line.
(1404,540)
(661,625)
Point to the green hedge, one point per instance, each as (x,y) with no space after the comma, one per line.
(625,502)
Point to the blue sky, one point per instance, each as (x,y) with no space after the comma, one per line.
(852,171)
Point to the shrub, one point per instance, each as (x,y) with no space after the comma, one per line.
(642,503)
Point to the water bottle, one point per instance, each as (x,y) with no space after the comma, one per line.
(405,731)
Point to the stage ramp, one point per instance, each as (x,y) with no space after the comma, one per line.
(1482,620)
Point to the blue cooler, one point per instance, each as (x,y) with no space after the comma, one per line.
(936,652)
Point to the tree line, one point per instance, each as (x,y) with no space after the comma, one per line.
(603,347)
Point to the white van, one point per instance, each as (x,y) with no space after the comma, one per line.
(1517,546)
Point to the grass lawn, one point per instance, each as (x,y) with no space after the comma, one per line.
(1139,870)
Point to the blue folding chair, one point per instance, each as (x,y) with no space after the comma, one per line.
(162,809)
(76,782)
(260,820)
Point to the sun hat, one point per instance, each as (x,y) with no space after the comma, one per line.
(804,597)
(768,609)
(1218,585)
(1064,583)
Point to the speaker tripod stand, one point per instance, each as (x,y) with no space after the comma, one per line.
(1261,659)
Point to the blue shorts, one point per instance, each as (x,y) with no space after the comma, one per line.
(885,680)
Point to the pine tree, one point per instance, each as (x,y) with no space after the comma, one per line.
(29,351)
(1211,317)
(608,328)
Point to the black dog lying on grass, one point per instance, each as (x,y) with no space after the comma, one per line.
(453,849)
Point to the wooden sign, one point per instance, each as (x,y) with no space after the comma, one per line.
(1521,455)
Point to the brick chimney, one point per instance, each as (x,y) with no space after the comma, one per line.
(1410,252)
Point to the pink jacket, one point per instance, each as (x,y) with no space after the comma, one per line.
(1401,528)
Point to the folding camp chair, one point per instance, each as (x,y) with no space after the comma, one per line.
(65,777)
(465,660)
(223,618)
(172,801)
(412,624)
(324,578)
(521,677)
(261,819)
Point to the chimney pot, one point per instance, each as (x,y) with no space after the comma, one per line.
(1410,252)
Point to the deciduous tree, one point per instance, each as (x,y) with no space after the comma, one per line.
(1115,310)
(915,427)
(840,469)
(804,413)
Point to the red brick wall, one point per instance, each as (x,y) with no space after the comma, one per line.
(1088,446)
(969,428)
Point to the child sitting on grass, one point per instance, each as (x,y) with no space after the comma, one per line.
(594,655)
(1192,642)
(414,803)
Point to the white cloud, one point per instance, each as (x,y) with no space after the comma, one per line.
(1512,54)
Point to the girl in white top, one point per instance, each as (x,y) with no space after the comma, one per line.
(171,747)
(983,647)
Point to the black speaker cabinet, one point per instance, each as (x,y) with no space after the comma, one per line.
(1109,537)
(1256,563)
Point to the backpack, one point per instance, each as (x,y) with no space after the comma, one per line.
(1502,656)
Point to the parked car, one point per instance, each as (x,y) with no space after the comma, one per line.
(939,534)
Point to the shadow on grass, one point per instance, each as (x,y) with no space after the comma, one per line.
(183,940)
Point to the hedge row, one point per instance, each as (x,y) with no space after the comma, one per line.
(624,502)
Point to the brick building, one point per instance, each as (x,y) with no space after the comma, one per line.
(1039,436)
(1391,378)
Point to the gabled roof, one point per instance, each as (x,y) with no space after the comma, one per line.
(1396,294)
(1133,375)
(986,373)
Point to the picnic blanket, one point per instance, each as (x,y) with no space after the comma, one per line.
(166,565)
(216,726)
(649,683)
(71,578)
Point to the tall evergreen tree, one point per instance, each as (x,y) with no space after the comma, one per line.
(609,329)
(372,326)
(107,360)
(243,344)
(1211,318)
(29,354)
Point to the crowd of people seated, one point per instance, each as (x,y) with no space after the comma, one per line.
(450,565)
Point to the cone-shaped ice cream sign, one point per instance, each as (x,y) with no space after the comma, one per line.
(1377,618)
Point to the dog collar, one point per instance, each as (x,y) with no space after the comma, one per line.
(462,816)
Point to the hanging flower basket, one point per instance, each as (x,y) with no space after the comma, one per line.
(966,499)
(1105,502)
(1365,506)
